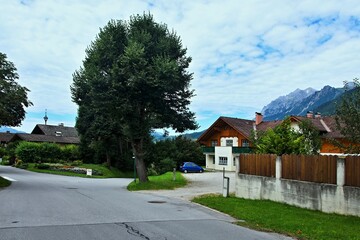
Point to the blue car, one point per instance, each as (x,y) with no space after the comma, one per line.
(190,167)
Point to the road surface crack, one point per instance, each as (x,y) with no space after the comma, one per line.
(133,231)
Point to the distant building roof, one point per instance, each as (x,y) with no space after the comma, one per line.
(46,138)
(53,130)
(6,137)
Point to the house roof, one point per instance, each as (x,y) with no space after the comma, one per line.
(6,137)
(326,126)
(53,130)
(243,126)
(263,126)
(46,138)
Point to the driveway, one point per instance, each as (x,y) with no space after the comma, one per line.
(199,184)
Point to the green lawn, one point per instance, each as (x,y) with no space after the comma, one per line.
(164,181)
(4,182)
(107,173)
(297,222)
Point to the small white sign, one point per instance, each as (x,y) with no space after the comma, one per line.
(89,172)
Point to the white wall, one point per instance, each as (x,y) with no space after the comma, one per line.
(223,141)
(224,152)
(209,161)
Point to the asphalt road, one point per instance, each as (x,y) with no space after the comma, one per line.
(41,206)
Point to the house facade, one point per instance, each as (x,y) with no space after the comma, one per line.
(227,137)
(224,140)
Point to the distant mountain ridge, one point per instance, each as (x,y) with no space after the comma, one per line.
(8,129)
(285,104)
(300,102)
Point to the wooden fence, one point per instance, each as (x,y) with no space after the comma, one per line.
(352,171)
(315,168)
(311,168)
(258,164)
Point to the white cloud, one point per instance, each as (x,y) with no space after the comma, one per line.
(245,53)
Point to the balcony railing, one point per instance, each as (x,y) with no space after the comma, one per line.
(234,149)
(208,149)
(241,150)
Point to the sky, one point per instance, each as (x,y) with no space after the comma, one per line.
(244,53)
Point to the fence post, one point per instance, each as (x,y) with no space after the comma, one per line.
(237,165)
(278,167)
(340,171)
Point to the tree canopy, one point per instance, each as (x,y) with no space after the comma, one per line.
(348,118)
(134,79)
(283,139)
(13,97)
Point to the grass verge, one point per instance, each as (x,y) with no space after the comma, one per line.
(4,182)
(164,181)
(107,173)
(282,218)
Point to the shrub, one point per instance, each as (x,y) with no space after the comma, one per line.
(2,151)
(76,163)
(21,164)
(45,152)
(151,171)
(166,165)
(10,151)
(49,152)
(70,152)
(28,152)
(42,166)
(5,160)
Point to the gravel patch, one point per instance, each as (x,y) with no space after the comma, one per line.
(199,184)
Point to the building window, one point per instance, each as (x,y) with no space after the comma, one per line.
(245,143)
(222,160)
(214,143)
(229,143)
(234,162)
(213,157)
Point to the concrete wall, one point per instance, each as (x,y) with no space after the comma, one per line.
(323,197)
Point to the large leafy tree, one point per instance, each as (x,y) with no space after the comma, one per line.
(348,118)
(13,97)
(134,78)
(283,139)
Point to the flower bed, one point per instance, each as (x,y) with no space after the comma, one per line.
(66,168)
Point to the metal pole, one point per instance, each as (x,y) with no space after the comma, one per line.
(134,169)
(174,174)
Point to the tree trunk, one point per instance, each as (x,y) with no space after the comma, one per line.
(137,146)
(108,159)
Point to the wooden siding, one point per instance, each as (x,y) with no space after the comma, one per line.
(314,168)
(352,171)
(224,132)
(258,164)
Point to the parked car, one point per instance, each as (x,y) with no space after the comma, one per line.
(190,167)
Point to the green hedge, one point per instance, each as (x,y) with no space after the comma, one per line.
(30,152)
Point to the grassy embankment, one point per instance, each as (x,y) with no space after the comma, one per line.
(276,217)
(4,182)
(164,181)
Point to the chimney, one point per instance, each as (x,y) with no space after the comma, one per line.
(258,118)
(317,115)
(309,114)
